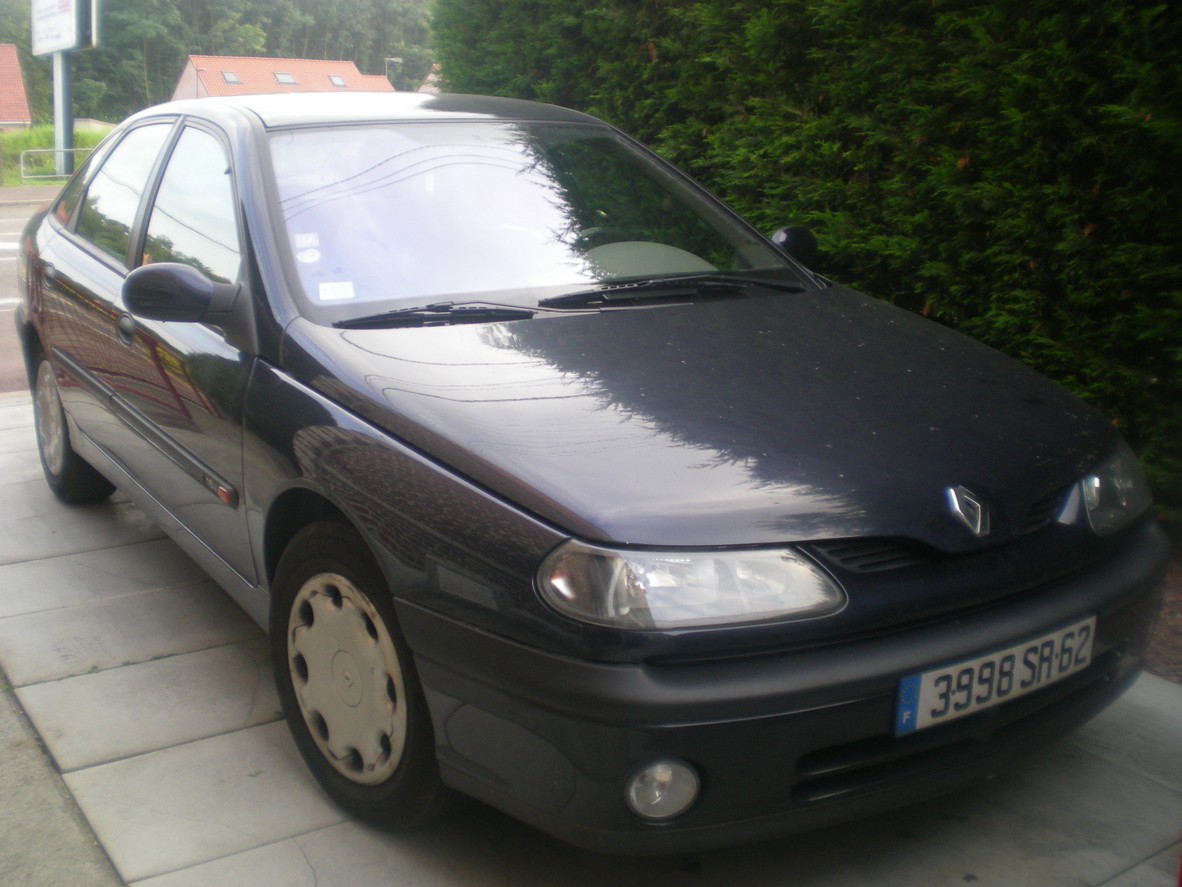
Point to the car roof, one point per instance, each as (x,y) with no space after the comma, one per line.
(311,109)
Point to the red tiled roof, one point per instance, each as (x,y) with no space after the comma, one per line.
(14,105)
(242,75)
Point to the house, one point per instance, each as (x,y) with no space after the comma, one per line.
(14,103)
(216,75)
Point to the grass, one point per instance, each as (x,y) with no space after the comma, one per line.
(39,137)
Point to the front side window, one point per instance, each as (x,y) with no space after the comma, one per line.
(113,196)
(193,220)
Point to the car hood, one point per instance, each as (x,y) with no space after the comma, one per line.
(766,419)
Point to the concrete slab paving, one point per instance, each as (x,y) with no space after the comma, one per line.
(16,411)
(67,580)
(97,718)
(189,804)
(132,628)
(475,847)
(14,466)
(14,440)
(34,525)
(1143,734)
(152,691)
(1160,871)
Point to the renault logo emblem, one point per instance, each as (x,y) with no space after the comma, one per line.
(969,510)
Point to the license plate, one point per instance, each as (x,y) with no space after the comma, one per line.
(954,691)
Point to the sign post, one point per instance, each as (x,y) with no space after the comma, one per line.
(63,115)
(57,32)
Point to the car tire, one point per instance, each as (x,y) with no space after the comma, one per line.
(347,683)
(71,478)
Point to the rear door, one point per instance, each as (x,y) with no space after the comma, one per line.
(82,271)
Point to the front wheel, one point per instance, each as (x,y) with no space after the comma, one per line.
(347,682)
(71,478)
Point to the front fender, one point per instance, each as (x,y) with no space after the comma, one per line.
(442,542)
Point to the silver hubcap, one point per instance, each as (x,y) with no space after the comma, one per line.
(51,432)
(347,678)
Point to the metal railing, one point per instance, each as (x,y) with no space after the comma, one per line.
(33,161)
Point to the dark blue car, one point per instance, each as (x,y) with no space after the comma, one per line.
(557,484)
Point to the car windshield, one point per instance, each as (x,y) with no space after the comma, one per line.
(380,217)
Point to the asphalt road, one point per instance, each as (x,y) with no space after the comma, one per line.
(12,368)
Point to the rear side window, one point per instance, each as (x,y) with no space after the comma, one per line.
(113,197)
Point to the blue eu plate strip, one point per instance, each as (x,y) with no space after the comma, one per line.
(908,708)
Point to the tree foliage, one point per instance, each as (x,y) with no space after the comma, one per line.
(1007,168)
(145,44)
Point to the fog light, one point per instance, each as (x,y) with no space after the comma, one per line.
(663,789)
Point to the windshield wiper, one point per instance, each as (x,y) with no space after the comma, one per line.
(664,289)
(437,314)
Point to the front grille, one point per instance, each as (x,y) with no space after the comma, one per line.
(871,555)
(878,555)
(1041,513)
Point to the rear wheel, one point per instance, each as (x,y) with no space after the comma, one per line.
(347,682)
(69,476)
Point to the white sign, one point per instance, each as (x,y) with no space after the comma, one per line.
(55,26)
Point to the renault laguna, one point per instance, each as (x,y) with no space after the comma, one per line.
(558,485)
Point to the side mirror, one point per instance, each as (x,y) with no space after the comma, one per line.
(798,243)
(174,292)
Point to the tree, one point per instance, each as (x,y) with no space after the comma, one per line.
(364,31)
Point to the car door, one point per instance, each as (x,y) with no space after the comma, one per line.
(82,271)
(163,400)
(184,384)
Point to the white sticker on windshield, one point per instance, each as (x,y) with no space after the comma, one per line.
(336,292)
(307,241)
(307,256)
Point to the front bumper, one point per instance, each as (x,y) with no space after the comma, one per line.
(782,742)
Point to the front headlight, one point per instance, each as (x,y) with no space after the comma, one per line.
(1116,493)
(678,589)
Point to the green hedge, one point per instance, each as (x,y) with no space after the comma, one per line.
(1011,169)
